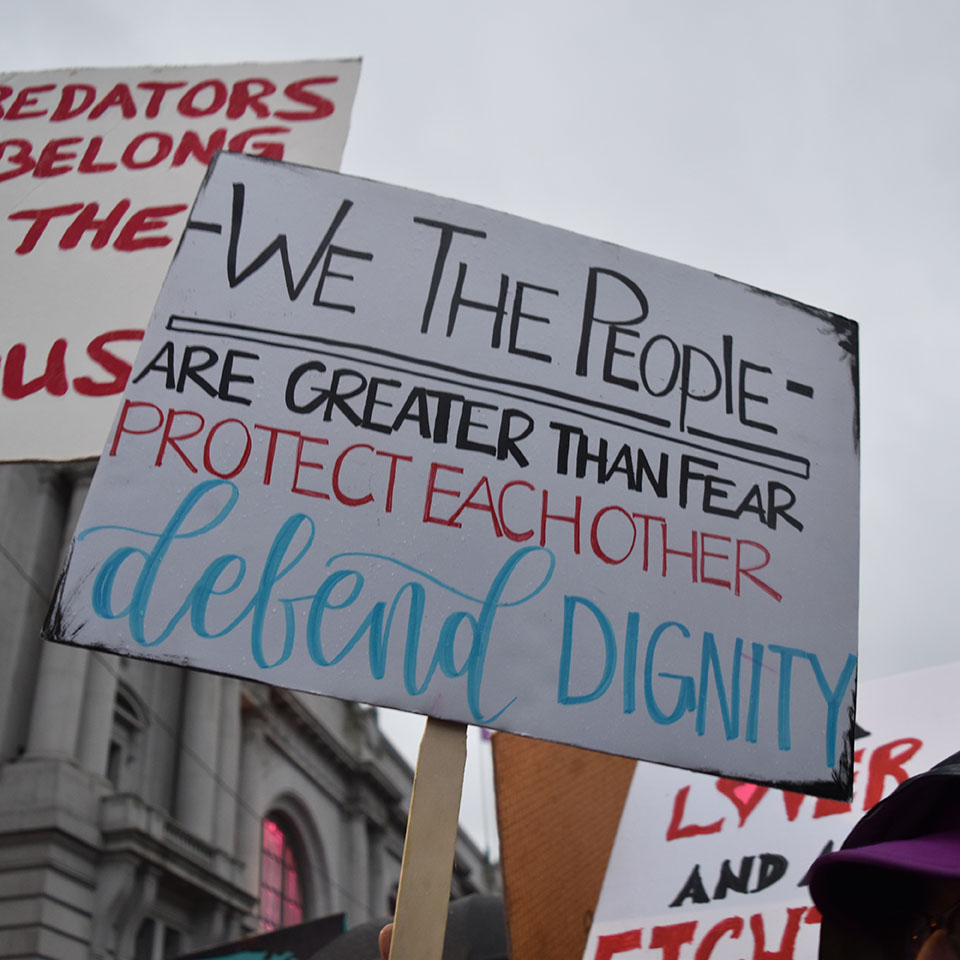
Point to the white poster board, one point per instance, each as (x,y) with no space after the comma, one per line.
(716,868)
(98,169)
(403,450)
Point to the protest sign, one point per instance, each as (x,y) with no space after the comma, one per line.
(558,809)
(399,449)
(98,169)
(715,869)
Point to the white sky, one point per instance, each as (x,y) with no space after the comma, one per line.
(810,149)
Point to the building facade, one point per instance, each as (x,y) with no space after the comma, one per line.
(148,810)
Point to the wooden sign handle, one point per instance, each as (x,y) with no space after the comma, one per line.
(423,896)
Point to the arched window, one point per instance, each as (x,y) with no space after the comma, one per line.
(281,889)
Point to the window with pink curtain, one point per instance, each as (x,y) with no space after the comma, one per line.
(281,898)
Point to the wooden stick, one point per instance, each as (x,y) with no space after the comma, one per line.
(427,867)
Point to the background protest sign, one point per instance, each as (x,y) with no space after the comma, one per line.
(98,169)
(403,450)
(716,869)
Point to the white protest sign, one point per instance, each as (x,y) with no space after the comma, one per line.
(98,169)
(715,869)
(408,451)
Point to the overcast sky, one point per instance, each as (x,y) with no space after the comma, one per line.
(810,149)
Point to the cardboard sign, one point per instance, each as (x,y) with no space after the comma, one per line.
(398,449)
(558,808)
(716,868)
(98,169)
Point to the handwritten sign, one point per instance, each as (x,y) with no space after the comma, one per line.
(98,169)
(403,450)
(713,867)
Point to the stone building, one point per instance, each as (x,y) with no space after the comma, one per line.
(148,810)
